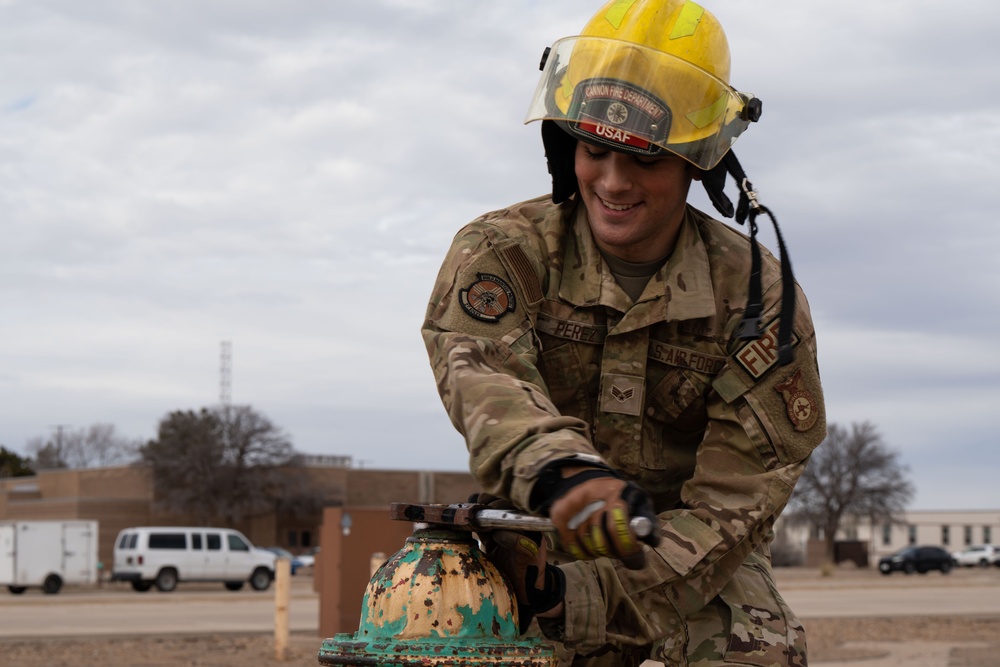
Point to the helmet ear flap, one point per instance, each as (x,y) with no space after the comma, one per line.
(560,153)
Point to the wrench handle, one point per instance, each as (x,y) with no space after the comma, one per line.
(640,525)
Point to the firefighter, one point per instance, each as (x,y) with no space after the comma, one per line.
(610,352)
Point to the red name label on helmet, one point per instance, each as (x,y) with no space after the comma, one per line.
(613,134)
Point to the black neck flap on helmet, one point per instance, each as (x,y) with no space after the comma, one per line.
(560,153)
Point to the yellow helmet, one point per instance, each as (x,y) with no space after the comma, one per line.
(646,76)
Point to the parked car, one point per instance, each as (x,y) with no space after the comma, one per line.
(917,559)
(285,553)
(165,555)
(982,555)
(308,557)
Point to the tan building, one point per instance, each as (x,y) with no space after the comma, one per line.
(120,497)
(954,530)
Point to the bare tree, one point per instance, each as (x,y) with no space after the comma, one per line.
(101,446)
(46,454)
(226,463)
(95,446)
(851,473)
(185,459)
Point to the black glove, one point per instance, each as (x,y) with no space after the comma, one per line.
(538,586)
(592,508)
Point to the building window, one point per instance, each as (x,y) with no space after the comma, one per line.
(945,535)
(987,535)
(912,536)
(968,535)
(887,534)
(307,538)
(293,538)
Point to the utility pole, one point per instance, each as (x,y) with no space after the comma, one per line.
(59,453)
(59,436)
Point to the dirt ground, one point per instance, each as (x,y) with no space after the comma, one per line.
(827,639)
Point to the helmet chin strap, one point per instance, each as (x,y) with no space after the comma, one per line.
(747,210)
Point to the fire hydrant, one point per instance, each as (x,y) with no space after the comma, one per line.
(437,601)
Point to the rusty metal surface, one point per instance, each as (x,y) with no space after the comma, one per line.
(437,601)
(438,585)
(344,651)
(457,515)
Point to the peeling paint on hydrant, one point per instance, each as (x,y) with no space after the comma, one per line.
(437,601)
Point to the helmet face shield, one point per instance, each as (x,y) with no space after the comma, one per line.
(636,99)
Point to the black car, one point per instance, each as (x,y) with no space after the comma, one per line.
(917,559)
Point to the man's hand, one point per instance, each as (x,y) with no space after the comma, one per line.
(538,586)
(593,512)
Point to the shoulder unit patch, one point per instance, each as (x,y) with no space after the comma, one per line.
(799,402)
(488,298)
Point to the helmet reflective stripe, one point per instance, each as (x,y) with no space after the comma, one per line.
(616,12)
(687,22)
(705,117)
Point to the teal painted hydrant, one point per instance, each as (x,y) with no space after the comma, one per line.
(438,601)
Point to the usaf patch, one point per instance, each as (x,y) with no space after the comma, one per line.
(799,403)
(488,299)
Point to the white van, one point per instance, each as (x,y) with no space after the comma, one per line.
(165,555)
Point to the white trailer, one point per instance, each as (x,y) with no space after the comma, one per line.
(47,554)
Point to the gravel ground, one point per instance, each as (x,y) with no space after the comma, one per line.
(830,640)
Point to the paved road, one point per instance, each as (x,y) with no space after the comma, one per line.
(117,610)
(852,593)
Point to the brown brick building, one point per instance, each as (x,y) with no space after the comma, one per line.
(123,496)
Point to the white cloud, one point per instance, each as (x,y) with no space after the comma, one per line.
(288,176)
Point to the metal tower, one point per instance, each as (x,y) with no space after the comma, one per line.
(226,373)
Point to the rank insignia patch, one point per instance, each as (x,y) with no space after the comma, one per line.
(799,403)
(488,299)
(622,394)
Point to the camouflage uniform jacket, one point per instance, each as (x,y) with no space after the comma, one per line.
(539,355)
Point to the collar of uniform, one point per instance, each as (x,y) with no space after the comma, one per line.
(685,277)
(586,279)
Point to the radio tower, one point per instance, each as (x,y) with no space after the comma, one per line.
(226,373)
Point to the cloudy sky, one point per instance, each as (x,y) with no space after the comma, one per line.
(287,176)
